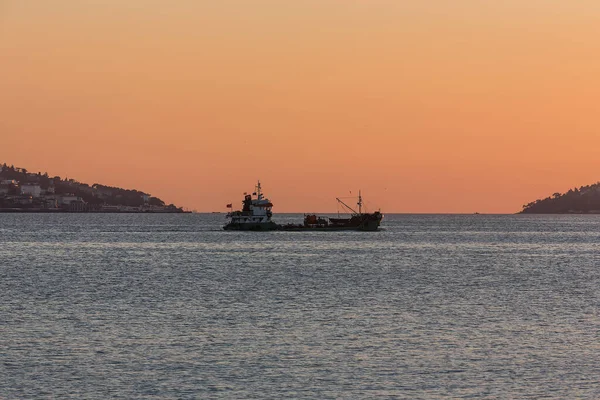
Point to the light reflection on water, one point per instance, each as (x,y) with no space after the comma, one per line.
(170,306)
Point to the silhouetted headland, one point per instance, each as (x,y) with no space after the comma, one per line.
(22,191)
(585,200)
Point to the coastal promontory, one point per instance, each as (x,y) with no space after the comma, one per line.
(583,200)
(24,191)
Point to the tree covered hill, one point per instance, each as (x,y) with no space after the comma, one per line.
(584,200)
(91,194)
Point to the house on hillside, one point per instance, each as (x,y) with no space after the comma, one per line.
(31,189)
(68,199)
(102,192)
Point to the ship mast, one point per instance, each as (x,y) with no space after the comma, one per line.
(359,202)
(258,192)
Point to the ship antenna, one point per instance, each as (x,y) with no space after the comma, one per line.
(359,202)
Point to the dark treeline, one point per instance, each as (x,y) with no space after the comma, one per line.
(586,199)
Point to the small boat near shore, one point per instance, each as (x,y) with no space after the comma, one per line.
(257,212)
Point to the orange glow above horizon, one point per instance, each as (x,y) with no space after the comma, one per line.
(431,106)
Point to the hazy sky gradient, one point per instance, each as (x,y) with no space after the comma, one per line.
(429,106)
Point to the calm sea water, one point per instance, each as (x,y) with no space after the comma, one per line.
(170,306)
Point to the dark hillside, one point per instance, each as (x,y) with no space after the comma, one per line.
(585,200)
(95,194)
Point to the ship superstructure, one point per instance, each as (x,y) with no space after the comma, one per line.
(255,214)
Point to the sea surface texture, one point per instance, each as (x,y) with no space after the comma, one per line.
(170,306)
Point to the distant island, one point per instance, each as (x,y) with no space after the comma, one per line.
(23,191)
(585,200)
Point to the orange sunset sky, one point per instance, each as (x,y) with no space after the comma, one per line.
(427,106)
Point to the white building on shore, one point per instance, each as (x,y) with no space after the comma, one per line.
(31,189)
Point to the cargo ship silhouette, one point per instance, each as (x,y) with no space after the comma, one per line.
(256,215)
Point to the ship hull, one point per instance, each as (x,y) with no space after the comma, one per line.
(255,226)
(326,229)
(368,226)
(365,223)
